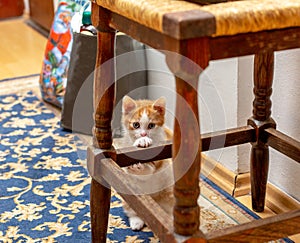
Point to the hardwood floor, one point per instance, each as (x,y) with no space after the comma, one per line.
(22,48)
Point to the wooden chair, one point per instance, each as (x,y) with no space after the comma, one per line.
(191,35)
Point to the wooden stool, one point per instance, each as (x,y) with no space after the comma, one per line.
(197,34)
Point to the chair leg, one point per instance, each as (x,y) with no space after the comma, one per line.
(100,205)
(104,97)
(261,119)
(259,175)
(186,139)
(186,162)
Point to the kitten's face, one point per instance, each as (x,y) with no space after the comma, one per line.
(143,118)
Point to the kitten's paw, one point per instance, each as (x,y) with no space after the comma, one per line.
(136,223)
(143,142)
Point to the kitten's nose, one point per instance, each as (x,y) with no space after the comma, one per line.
(143,134)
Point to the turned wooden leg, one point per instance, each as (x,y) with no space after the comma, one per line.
(261,119)
(99,204)
(104,96)
(186,160)
(187,139)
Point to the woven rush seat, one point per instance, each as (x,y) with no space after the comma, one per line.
(220,19)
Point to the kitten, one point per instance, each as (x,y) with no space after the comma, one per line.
(143,121)
(143,124)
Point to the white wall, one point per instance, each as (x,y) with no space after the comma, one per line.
(245,98)
(227,84)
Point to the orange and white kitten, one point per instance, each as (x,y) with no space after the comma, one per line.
(143,124)
(143,121)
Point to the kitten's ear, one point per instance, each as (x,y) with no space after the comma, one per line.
(160,105)
(128,104)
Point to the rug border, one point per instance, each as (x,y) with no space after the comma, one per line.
(235,201)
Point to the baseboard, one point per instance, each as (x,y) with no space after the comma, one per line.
(239,185)
(280,202)
(218,174)
(242,184)
(234,184)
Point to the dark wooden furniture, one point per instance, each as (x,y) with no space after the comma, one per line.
(190,36)
(42,13)
(11,8)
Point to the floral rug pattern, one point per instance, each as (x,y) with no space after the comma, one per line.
(44,192)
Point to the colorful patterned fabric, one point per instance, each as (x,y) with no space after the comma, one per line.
(55,65)
(44,193)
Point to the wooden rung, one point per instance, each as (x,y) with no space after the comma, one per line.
(261,230)
(130,155)
(227,138)
(220,139)
(283,143)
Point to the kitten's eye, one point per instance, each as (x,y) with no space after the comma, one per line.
(136,125)
(151,125)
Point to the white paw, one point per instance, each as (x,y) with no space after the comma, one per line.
(143,142)
(136,223)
